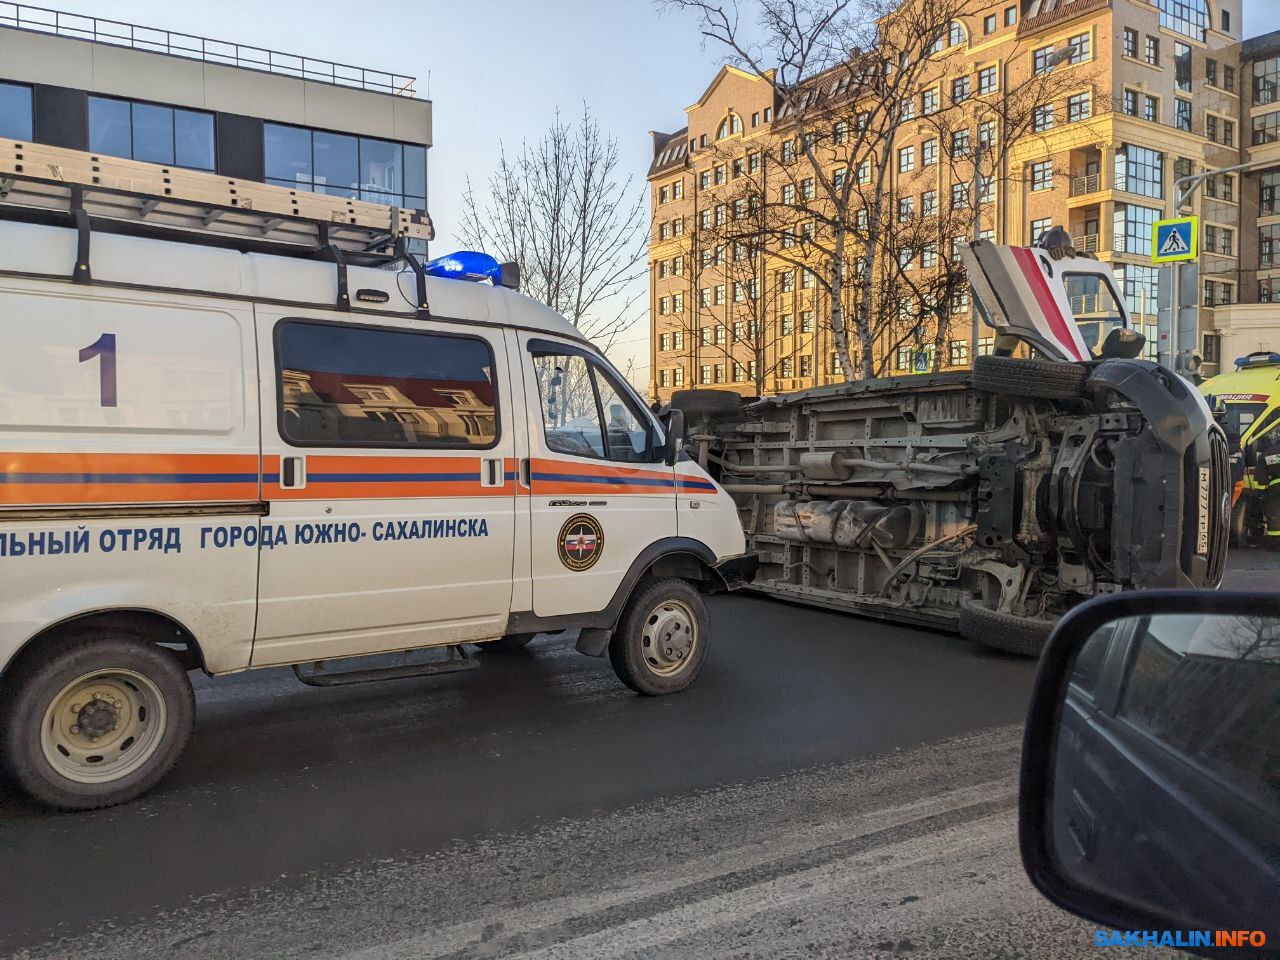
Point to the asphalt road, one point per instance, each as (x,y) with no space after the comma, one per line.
(830,786)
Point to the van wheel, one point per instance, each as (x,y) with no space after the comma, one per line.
(92,721)
(1046,379)
(1024,636)
(660,642)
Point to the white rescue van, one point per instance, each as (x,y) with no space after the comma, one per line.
(217,459)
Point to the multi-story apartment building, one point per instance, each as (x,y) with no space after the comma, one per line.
(112,104)
(1253,322)
(1144,92)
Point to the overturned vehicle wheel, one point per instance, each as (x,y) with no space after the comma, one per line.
(1025,636)
(697,404)
(1042,379)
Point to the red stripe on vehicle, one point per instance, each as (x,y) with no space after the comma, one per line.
(1044,297)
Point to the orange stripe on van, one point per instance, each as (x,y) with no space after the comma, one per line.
(28,479)
(358,477)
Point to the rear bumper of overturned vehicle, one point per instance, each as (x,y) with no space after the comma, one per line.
(1172,496)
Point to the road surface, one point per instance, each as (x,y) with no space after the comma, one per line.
(831,786)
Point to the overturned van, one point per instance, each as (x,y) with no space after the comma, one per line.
(988,501)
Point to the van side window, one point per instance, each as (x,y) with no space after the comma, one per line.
(585,414)
(342,385)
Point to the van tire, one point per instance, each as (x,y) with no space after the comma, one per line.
(667,609)
(134,676)
(696,404)
(1025,636)
(1044,379)
(511,643)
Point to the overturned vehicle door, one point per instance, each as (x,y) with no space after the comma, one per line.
(987,501)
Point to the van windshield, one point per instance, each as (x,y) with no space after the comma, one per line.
(1094,305)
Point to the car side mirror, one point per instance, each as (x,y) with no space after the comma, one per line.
(673,426)
(1123,344)
(1150,796)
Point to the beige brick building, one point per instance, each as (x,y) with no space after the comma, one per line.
(1145,92)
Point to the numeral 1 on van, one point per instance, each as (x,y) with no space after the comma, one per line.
(105,348)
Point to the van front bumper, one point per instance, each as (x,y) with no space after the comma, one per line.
(738,571)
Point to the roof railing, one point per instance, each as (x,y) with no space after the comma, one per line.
(21,16)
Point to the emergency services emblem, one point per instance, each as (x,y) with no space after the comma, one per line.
(581,541)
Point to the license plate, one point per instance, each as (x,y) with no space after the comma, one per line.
(1202,520)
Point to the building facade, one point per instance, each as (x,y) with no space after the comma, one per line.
(1144,92)
(206,120)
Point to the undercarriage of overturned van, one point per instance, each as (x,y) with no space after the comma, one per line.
(957,501)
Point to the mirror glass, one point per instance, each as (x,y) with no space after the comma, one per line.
(1166,790)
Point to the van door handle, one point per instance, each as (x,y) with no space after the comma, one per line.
(526,476)
(293,473)
(491,472)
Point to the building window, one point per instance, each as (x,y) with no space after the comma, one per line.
(787,368)
(1042,175)
(1211,71)
(1131,102)
(1042,118)
(1182,66)
(1010,16)
(1079,107)
(1221,187)
(1079,47)
(906,159)
(786,281)
(1133,226)
(664,195)
(1152,54)
(15,112)
(960,144)
(1130,42)
(987,80)
(1039,228)
(351,386)
(988,24)
(718,295)
(719,373)
(929,203)
(906,209)
(1140,170)
(806,321)
(155,134)
(907,108)
(788,151)
(958,353)
(704,180)
(1228,78)
(1266,128)
(768,114)
(1269,193)
(677,303)
(677,377)
(704,373)
(1040,59)
(1217,293)
(677,340)
(806,366)
(1182,114)
(959,196)
(664,378)
(929,102)
(929,255)
(664,306)
(1151,108)
(380,171)
(1187,17)
(808,279)
(960,89)
(664,341)
(720,174)
(929,152)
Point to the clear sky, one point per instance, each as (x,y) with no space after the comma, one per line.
(497,70)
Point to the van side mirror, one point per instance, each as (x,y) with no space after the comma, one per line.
(1123,344)
(673,426)
(1150,796)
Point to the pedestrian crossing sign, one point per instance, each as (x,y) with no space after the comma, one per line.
(1174,239)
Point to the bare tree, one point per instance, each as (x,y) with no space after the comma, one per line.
(847,76)
(577,227)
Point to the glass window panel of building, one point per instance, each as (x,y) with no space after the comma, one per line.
(15,111)
(1133,226)
(151,132)
(1187,17)
(1140,170)
(1266,81)
(380,171)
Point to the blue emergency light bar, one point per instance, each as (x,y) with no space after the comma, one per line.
(1259,358)
(475,266)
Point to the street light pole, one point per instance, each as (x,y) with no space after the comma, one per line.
(1183,190)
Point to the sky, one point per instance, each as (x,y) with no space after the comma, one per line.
(496,70)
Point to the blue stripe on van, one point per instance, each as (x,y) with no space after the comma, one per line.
(128,478)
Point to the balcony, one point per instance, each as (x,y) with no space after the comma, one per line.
(1086,243)
(1081,186)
